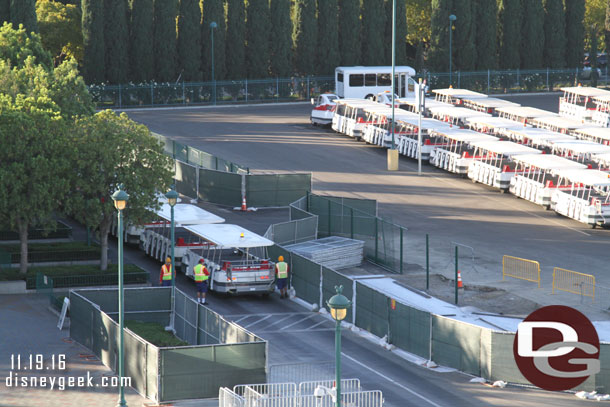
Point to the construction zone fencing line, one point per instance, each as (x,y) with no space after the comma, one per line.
(268,389)
(574,282)
(522,269)
(347,386)
(228,398)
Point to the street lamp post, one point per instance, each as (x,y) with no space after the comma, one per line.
(392,152)
(172,198)
(338,305)
(452,18)
(120,199)
(213,25)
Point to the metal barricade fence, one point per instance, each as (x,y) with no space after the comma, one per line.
(357,399)
(268,389)
(251,397)
(574,282)
(228,398)
(522,269)
(347,386)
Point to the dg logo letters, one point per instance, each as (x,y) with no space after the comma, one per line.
(556,348)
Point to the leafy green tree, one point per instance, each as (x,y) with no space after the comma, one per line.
(141,61)
(257,38)
(16,46)
(60,29)
(113,150)
(401,32)
(328,37)
(236,40)
(24,12)
(69,91)
(281,34)
(575,32)
(94,59)
(486,13)
(532,34)
(349,32)
(509,34)
(5,11)
(594,35)
(34,167)
(464,35)
(595,13)
(304,36)
(554,34)
(164,38)
(606,26)
(373,19)
(116,38)
(418,17)
(438,56)
(213,11)
(189,40)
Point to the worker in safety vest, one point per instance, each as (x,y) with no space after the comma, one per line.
(201,280)
(165,278)
(281,271)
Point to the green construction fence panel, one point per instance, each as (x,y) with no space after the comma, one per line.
(367,206)
(209,327)
(181,151)
(602,379)
(152,370)
(305,278)
(456,344)
(332,279)
(186,179)
(410,329)
(269,190)
(372,310)
(219,187)
(502,363)
(198,372)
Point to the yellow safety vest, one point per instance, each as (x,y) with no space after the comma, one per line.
(167,272)
(282,269)
(199,274)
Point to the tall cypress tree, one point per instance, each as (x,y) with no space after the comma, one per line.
(5,11)
(328,37)
(24,12)
(164,40)
(607,26)
(349,32)
(464,35)
(509,34)
(141,41)
(532,34)
(213,11)
(189,40)
(116,39)
(438,56)
(304,36)
(373,19)
(593,52)
(401,33)
(486,31)
(281,34)
(575,32)
(554,34)
(236,39)
(257,38)
(94,61)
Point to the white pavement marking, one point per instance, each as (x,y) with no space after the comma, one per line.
(146,109)
(296,331)
(242,318)
(319,323)
(279,320)
(257,321)
(300,320)
(392,381)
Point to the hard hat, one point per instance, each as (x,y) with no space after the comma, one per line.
(201,260)
(168,260)
(281,258)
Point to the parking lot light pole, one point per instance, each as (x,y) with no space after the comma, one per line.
(338,305)
(452,18)
(213,25)
(172,198)
(120,199)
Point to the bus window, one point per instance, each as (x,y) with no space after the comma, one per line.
(340,77)
(356,80)
(384,79)
(370,79)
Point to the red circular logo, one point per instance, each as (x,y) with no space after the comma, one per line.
(556,348)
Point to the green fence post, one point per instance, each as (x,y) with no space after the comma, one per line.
(308,196)
(351,228)
(329,234)
(216,162)
(456,275)
(427,263)
(376,239)
(401,249)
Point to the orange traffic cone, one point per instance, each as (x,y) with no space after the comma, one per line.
(244,207)
(460,284)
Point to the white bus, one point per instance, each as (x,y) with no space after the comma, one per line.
(361,82)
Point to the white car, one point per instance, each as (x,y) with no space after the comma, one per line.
(324,109)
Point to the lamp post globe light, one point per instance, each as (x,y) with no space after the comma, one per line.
(172,199)
(338,305)
(213,25)
(452,18)
(120,198)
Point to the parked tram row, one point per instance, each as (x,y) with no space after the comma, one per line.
(558,162)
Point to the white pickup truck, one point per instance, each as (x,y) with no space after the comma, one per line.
(235,257)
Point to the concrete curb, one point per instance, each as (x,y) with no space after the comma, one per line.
(146,109)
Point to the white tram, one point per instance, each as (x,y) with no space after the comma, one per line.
(453,151)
